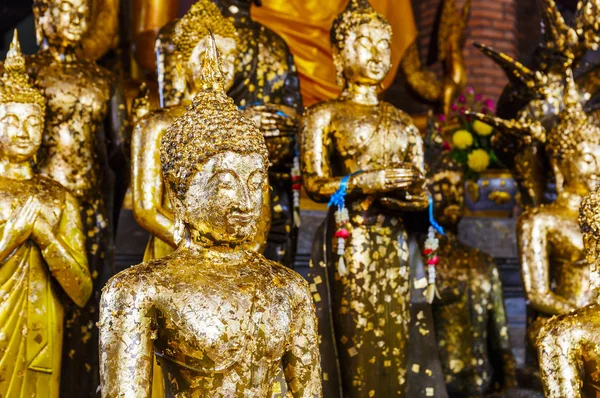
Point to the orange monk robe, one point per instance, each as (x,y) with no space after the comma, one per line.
(305,26)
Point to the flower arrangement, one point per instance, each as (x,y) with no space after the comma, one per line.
(469,140)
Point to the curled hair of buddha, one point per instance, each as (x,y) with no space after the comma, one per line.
(212,124)
(574,125)
(14,83)
(356,13)
(203,17)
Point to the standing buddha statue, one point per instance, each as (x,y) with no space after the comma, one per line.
(469,315)
(569,344)
(266,86)
(375,151)
(221,319)
(83,148)
(42,245)
(151,206)
(555,273)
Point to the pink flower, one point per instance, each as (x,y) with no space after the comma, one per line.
(470,90)
(478,97)
(462,99)
(453,107)
(442,118)
(462,110)
(489,103)
(446,146)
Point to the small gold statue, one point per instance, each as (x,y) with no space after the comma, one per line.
(469,315)
(151,206)
(569,344)
(220,318)
(376,152)
(451,41)
(42,245)
(555,274)
(84,149)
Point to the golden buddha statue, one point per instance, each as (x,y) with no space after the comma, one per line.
(451,36)
(221,319)
(555,274)
(42,245)
(151,206)
(569,344)
(375,152)
(469,315)
(84,149)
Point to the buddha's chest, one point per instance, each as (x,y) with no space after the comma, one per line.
(222,322)
(74,93)
(376,137)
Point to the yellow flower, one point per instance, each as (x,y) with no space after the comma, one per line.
(462,139)
(478,160)
(481,128)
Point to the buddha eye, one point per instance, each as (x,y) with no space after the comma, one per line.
(383,45)
(256,180)
(226,181)
(65,6)
(364,42)
(10,120)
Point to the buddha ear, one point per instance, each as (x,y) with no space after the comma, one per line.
(339,68)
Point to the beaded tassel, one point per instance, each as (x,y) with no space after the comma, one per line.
(431,247)
(296,186)
(342,234)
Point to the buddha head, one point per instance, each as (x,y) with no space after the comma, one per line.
(62,22)
(361,42)
(22,110)
(574,144)
(214,163)
(589,222)
(191,36)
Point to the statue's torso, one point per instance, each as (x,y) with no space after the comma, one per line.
(370,137)
(77,94)
(223,331)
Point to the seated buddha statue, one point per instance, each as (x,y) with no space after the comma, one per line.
(375,151)
(151,206)
(42,245)
(569,344)
(555,272)
(221,319)
(469,315)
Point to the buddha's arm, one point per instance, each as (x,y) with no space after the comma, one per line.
(498,332)
(126,348)
(561,345)
(424,81)
(147,184)
(63,249)
(302,362)
(533,230)
(315,154)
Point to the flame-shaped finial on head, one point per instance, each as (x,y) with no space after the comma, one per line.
(572,96)
(14,58)
(14,83)
(212,73)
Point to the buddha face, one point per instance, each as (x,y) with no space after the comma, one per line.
(66,21)
(224,199)
(227,49)
(581,168)
(447,188)
(21,128)
(366,56)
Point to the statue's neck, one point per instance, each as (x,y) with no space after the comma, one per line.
(570,198)
(214,253)
(62,52)
(16,170)
(360,93)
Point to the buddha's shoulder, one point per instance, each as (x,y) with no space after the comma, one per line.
(329,107)
(137,278)
(280,275)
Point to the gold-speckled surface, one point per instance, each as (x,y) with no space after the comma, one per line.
(358,134)
(569,344)
(469,315)
(42,246)
(83,148)
(221,319)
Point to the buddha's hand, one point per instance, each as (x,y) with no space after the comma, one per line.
(43,232)
(388,180)
(20,223)
(274,120)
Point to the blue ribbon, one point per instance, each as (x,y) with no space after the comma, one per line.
(432,221)
(338,198)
